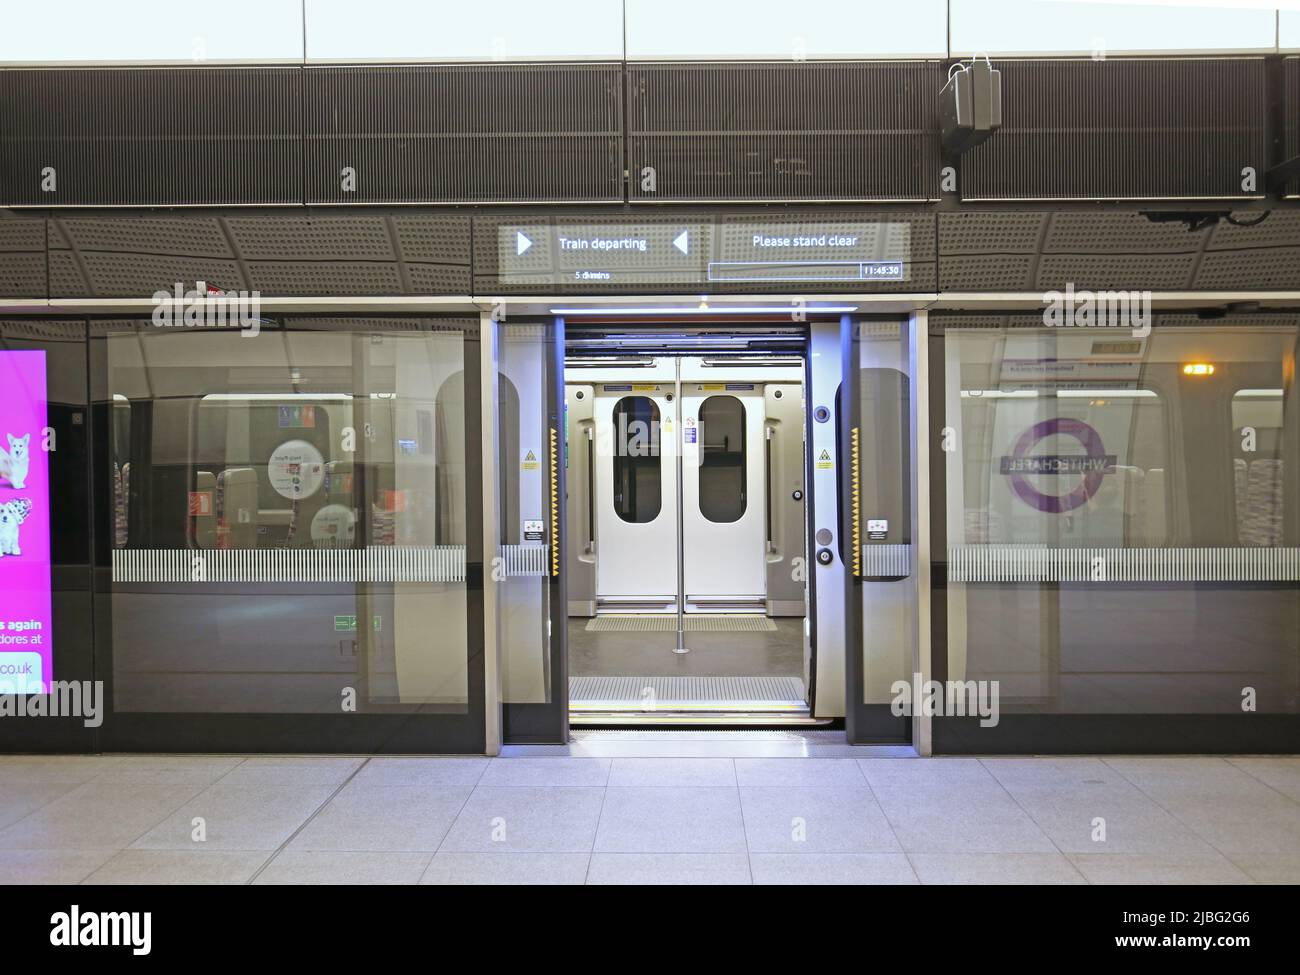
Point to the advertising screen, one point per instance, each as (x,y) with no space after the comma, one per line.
(26,651)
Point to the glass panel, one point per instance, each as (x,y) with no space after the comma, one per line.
(518,30)
(1115,518)
(771,30)
(637,484)
(884,509)
(1031,27)
(45,618)
(525,514)
(87,31)
(722,459)
(291,519)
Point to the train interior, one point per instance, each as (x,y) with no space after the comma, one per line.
(687,526)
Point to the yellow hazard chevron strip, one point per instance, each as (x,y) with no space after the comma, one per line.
(555,506)
(857,510)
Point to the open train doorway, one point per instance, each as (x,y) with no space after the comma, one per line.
(687,548)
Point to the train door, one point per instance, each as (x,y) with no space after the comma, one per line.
(530,529)
(724,493)
(580,471)
(686,502)
(879,411)
(636,495)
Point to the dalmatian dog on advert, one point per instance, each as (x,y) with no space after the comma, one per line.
(12,515)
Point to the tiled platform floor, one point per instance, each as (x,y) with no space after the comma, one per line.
(724,815)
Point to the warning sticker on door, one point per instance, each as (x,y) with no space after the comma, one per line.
(877,529)
(530,461)
(534,531)
(688,429)
(824,461)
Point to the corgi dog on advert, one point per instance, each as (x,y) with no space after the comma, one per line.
(15,461)
(12,514)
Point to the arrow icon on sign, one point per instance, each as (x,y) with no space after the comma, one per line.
(683,242)
(522,243)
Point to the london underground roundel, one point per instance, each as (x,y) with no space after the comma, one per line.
(1090,468)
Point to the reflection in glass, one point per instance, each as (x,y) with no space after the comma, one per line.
(1258,428)
(1115,520)
(290,518)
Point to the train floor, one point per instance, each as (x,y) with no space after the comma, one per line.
(753,665)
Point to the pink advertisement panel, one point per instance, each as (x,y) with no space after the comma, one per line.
(26,650)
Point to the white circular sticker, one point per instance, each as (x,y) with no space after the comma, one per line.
(333,525)
(296,469)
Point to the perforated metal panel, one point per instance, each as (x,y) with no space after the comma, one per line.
(464,133)
(941,321)
(1168,128)
(279,252)
(993,250)
(22,257)
(802,131)
(1141,272)
(150,136)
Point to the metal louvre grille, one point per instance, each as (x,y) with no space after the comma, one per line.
(1123,129)
(797,131)
(1291,127)
(150,136)
(447,134)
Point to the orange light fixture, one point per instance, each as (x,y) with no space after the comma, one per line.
(1198,369)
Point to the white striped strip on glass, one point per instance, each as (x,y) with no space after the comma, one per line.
(886,560)
(526,560)
(385,563)
(1040,563)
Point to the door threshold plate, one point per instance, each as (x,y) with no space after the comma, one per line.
(693,623)
(687,695)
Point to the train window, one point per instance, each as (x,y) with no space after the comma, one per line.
(1258,419)
(722,459)
(638,485)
